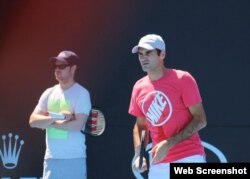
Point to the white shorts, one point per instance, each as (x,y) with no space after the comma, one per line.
(162,170)
(65,168)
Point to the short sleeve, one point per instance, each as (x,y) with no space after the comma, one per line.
(43,100)
(134,108)
(83,103)
(190,92)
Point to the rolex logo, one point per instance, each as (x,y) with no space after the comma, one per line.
(10,150)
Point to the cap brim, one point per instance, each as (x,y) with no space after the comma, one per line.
(135,49)
(53,59)
(146,46)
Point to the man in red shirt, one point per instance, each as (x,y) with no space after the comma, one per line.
(168,105)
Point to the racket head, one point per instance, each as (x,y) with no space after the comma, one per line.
(95,125)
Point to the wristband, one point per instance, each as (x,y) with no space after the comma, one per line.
(57,116)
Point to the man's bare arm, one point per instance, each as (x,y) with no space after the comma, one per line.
(76,123)
(138,127)
(40,119)
(196,124)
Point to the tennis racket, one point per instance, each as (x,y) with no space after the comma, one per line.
(142,149)
(95,124)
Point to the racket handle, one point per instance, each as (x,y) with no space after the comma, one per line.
(142,150)
(140,162)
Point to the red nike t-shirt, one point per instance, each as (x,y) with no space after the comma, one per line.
(164,103)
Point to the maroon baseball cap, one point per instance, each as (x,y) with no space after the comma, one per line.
(66,56)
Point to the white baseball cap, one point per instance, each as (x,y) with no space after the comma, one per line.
(150,42)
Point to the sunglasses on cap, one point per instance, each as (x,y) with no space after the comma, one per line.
(61,66)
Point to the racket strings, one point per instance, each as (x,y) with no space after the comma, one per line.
(96,123)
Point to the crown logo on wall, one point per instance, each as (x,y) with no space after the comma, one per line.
(10,153)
